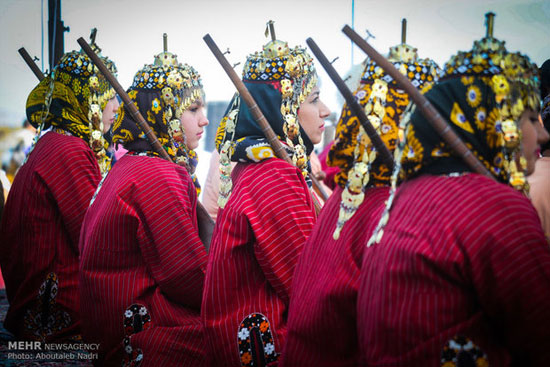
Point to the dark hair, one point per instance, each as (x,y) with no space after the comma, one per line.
(1,199)
(545,79)
(546,124)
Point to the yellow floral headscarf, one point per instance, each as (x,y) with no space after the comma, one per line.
(71,100)
(384,103)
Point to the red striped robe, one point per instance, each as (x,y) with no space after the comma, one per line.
(256,243)
(322,317)
(142,266)
(462,256)
(39,238)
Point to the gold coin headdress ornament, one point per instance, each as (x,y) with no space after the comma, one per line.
(293,74)
(384,104)
(71,100)
(514,82)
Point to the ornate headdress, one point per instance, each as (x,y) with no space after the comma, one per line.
(507,83)
(384,103)
(483,93)
(279,78)
(72,98)
(162,91)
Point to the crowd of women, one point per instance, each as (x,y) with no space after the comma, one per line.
(425,264)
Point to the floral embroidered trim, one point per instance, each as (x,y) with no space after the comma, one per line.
(256,346)
(462,352)
(47,317)
(136,319)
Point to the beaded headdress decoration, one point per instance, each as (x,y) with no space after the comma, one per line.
(292,72)
(514,82)
(377,89)
(75,70)
(180,85)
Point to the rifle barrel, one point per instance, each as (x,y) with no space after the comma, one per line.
(30,62)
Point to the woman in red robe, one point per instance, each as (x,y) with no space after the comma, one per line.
(322,316)
(142,261)
(50,194)
(269,214)
(457,272)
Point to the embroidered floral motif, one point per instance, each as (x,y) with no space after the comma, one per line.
(459,118)
(462,352)
(136,319)
(473,96)
(155,106)
(259,152)
(493,127)
(480,117)
(47,318)
(256,346)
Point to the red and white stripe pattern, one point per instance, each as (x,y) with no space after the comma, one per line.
(256,243)
(39,235)
(460,256)
(140,248)
(322,313)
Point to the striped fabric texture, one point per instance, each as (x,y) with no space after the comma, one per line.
(142,266)
(39,238)
(322,317)
(256,243)
(462,271)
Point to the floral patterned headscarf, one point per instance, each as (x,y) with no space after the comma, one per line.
(72,99)
(384,103)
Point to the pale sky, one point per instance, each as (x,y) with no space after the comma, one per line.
(130,33)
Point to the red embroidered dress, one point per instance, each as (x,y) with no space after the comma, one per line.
(39,238)
(258,238)
(322,317)
(142,266)
(462,271)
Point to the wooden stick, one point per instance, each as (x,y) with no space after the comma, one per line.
(206,224)
(351,101)
(31,63)
(428,110)
(274,142)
